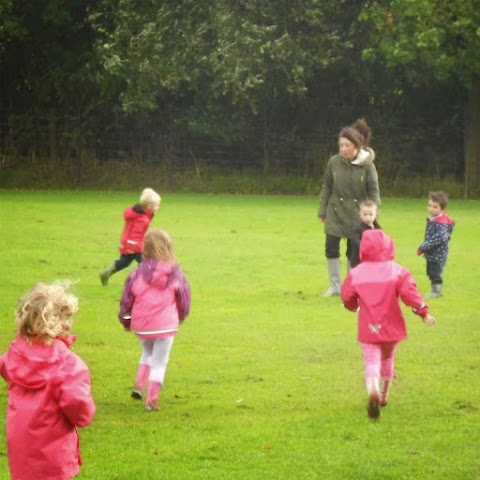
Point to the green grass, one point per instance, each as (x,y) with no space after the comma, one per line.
(265,376)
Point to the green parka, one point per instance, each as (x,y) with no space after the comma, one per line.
(345,185)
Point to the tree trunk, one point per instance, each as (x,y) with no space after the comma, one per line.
(265,150)
(472,154)
(78,148)
(52,129)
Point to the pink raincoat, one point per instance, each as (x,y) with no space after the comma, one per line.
(375,287)
(156,297)
(48,397)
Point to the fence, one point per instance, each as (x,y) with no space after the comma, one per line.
(47,149)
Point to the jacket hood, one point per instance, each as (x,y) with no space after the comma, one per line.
(136,211)
(365,156)
(32,365)
(442,218)
(156,272)
(376,246)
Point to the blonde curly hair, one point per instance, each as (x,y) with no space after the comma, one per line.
(46,312)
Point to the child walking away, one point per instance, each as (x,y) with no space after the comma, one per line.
(437,238)
(368,213)
(48,387)
(155,299)
(137,219)
(372,289)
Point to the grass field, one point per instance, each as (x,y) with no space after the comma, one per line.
(265,376)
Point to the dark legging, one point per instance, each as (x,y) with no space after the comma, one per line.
(332,247)
(125,260)
(434,272)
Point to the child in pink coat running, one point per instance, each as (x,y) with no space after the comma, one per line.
(373,289)
(155,299)
(48,387)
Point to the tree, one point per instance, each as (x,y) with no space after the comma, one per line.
(239,52)
(432,39)
(217,65)
(47,74)
(45,52)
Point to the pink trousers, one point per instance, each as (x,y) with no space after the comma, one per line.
(379,359)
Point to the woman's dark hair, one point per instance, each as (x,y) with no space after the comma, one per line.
(359,133)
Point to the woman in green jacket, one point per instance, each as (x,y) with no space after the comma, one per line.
(350,177)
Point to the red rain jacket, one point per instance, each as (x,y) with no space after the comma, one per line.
(137,221)
(48,396)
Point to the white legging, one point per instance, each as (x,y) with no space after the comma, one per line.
(155,354)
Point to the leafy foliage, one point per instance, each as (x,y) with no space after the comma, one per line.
(244,71)
(46,53)
(247,53)
(426,36)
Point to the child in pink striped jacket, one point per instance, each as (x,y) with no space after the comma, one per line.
(155,299)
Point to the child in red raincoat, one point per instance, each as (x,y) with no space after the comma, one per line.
(373,289)
(48,387)
(137,220)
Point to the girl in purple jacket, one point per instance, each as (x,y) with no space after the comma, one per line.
(155,299)
(48,387)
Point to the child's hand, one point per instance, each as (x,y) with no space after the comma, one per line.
(429,319)
(127,329)
(419,252)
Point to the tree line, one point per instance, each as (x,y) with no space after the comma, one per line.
(272,80)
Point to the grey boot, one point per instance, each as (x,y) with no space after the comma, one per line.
(436,291)
(334,276)
(107,273)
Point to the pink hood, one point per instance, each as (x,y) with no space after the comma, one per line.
(376,246)
(32,366)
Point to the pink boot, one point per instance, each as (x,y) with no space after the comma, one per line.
(385,391)
(141,380)
(153,392)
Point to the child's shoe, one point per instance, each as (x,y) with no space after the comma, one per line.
(151,408)
(373,406)
(385,391)
(137,393)
(143,372)
(436,291)
(107,273)
(153,391)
